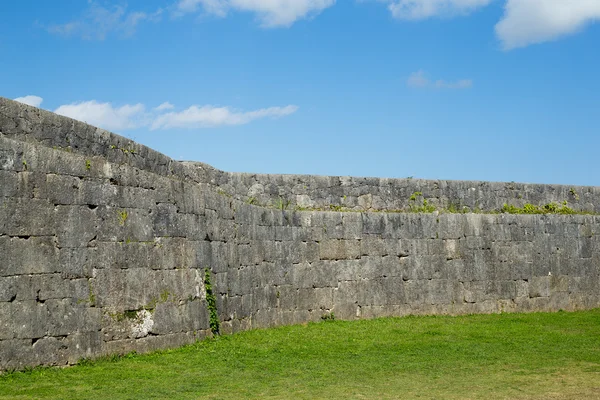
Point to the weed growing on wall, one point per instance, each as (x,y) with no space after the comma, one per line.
(282,204)
(574,193)
(122,217)
(328,317)
(418,208)
(550,208)
(211,301)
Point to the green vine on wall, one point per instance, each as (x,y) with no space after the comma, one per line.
(211,301)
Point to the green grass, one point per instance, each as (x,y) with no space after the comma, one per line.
(514,356)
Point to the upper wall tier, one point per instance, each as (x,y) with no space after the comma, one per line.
(21,122)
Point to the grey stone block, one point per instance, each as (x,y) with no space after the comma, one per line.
(8,183)
(539,286)
(26,217)
(28,255)
(77,227)
(335,249)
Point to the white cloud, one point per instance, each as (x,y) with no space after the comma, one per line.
(97,22)
(419,80)
(460,84)
(216,7)
(271,13)
(31,100)
(209,116)
(527,22)
(105,115)
(164,106)
(129,116)
(421,9)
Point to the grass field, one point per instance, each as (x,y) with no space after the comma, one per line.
(505,356)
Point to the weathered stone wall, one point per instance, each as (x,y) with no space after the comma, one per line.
(104,245)
(379,194)
(86,247)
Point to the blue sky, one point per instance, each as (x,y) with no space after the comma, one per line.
(499,90)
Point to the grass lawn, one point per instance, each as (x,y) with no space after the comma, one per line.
(501,356)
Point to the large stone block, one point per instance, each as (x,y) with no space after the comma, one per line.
(28,255)
(8,183)
(339,249)
(26,217)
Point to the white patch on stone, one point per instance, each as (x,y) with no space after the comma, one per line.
(142,325)
(107,170)
(304,201)
(255,190)
(200,289)
(365,201)
(8,163)
(305,219)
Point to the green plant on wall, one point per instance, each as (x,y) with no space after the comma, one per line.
(328,317)
(574,193)
(282,204)
(122,217)
(211,301)
(416,208)
(550,208)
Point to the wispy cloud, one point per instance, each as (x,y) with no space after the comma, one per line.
(419,80)
(210,116)
(525,22)
(215,7)
(270,13)
(537,21)
(134,116)
(97,22)
(31,100)
(421,9)
(105,115)
(164,106)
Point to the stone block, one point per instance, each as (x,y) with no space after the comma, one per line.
(16,353)
(76,225)
(374,223)
(29,319)
(28,255)
(415,292)
(9,287)
(539,286)
(8,183)
(373,246)
(439,291)
(316,275)
(352,225)
(345,270)
(335,249)
(76,262)
(26,217)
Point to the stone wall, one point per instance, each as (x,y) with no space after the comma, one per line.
(104,245)
(386,194)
